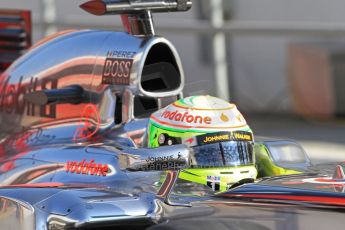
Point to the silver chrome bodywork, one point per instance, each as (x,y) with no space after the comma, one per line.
(78,58)
(128,6)
(79,164)
(60,196)
(74,164)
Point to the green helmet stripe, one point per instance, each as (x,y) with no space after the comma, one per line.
(178,130)
(192,130)
(182,101)
(192,100)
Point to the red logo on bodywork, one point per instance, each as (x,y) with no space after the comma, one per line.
(89,123)
(87,168)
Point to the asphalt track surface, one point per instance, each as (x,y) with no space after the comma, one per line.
(324,141)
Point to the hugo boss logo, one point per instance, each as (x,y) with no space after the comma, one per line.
(87,168)
(117,71)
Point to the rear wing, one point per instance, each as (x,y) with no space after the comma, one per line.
(15,35)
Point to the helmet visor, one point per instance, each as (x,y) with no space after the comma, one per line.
(218,149)
(220,154)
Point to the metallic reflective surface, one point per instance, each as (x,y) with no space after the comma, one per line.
(139,24)
(80,164)
(165,158)
(78,58)
(136,15)
(70,154)
(130,6)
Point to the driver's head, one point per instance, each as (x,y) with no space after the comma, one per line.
(216,131)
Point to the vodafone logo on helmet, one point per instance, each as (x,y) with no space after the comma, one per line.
(186,117)
(200,113)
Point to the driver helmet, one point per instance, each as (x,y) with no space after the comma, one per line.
(217,132)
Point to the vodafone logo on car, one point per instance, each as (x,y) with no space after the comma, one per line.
(87,168)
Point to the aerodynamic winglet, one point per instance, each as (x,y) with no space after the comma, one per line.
(136,14)
(103,7)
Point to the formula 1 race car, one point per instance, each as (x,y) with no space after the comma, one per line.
(74,112)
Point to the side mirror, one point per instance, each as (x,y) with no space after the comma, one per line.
(73,94)
(174,157)
(166,158)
